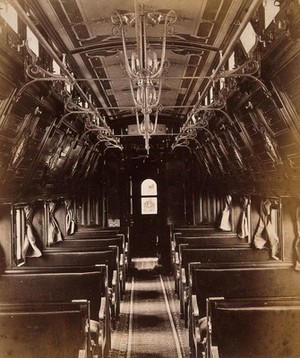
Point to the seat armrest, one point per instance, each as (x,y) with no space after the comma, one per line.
(103,331)
(102,309)
(176,258)
(195,308)
(183,276)
(173,246)
(114,278)
(183,294)
(82,353)
(184,288)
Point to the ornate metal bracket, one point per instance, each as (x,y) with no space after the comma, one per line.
(193,123)
(92,124)
(38,74)
(217,104)
(246,70)
(190,132)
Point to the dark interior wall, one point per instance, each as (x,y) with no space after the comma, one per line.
(210,202)
(183,200)
(174,173)
(190,199)
(208,207)
(186,198)
(89,208)
(113,187)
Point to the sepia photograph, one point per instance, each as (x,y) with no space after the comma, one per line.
(149,179)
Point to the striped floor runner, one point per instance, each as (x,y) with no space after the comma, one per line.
(150,325)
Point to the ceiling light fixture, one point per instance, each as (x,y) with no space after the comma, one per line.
(142,64)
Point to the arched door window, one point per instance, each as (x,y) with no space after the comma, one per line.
(148,197)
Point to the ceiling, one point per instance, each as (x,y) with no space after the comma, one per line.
(84,31)
(233,122)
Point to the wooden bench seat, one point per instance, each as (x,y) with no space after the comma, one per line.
(253,328)
(94,241)
(45,330)
(97,232)
(236,280)
(188,254)
(93,244)
(118,229)
(69,257)
(22,286)
(215,239)
(100,232)
(206,234)
(94,234)
(90,234)
(192,229)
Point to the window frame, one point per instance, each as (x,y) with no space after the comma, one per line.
(144,197)
(18,232)
(6,14)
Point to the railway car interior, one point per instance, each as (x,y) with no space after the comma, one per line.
(149,178)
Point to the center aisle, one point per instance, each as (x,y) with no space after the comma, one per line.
(150,324)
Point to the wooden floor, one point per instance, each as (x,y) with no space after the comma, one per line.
(150,325)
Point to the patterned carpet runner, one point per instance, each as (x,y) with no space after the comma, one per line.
(150,325)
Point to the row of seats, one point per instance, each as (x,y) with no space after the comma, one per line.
(73,291)
(234,299)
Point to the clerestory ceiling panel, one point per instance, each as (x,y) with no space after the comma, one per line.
(84,30)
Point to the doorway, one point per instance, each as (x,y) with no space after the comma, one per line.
(146,217)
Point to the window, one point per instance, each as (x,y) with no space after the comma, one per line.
(222,82)
(231,62)
(248,38)
(56,68)
(33,42)
(19,233)
(149,197)
(24,234)
(271,10)
(68,87)
(10,16)
(211,94)
(275,216)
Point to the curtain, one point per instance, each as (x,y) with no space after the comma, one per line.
(29,239)
(225,224)
(243,230)
(70,222)
(297,242)
(265,231)
(54,232)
